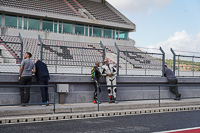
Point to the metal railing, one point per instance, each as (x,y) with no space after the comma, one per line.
(185,65)
(20,86)
(136,62)
(159,97)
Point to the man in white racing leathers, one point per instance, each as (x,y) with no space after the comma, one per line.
(110,72)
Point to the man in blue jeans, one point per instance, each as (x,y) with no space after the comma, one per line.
(42,75)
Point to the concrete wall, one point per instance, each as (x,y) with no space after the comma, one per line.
(81,89)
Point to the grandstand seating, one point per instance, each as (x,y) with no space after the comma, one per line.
(138,60)
(66,7)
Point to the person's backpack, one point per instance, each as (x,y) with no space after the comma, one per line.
(92,72)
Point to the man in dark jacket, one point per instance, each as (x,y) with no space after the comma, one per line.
(95,75)
(42,75)
(172,81)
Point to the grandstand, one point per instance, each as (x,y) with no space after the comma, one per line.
(70,32)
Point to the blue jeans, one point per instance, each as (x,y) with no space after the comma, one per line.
(44,90)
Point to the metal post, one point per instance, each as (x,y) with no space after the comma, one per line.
(193,65)
(174,59)
(41,47)
(104,51)
(54,100)
(178,65)
(159,96)
(20,37)
(163,61)
(117,58)
(98,96)
(145,63)
(126,61)
(82,61)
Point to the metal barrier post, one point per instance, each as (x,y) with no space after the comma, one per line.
(20,37)
(41,47)
(145,63)
(178,66)
(98,96)
(82,61)
(174,59)
(163,61)
(117,58)
(104,51)
(159,96)
(54,100)
(193,65)
(126,61)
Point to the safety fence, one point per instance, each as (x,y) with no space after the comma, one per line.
(142,85)
(20,86)
(134,62)
(185,65)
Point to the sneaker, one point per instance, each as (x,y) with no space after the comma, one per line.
(95,102)
(43,104)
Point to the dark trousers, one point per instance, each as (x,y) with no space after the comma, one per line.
(95,91)
(174,89)
(25,91)
(44,90)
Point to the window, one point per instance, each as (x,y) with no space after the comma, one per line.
(55,27)
(47,25)
(60,28)
(90,30)
(107,33)
(34,24)
(79,29)
(25,23)
(19,22)
(113,34)
(123,35)
(67,28)
(117,35)
(97,31)
(11,21)
(86,30)
(0,19)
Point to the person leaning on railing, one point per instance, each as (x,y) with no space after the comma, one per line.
(172,81)
(25,77)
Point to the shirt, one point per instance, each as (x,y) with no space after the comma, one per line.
(28,66)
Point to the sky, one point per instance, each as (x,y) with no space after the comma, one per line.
(163,23)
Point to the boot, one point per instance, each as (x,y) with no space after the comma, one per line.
(110,98)
(115,100)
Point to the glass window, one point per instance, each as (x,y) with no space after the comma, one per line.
(107,33)
(79,29)
(55,28)
(11,21)
(25,23)
(47,25)
(97,31)
(60,28)
(86,30)
(0,19)
(117,37)
(90,34)
(67,28)
(123,35)
(19,23)
(34,24)
(113,34)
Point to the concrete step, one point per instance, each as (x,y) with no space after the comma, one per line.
(6,111)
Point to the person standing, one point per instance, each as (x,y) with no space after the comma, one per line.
(95,75)
(42,75)
(25,77)
(110,72)
(172,81)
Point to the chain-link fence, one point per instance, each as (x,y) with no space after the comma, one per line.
(186,65)
(10,53)
(132,61)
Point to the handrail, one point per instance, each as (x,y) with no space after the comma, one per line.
(141,85)
(19,86)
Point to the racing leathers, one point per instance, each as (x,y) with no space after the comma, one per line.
(96,74)
(110,80)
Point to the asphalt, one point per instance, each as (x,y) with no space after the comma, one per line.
(32,113)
